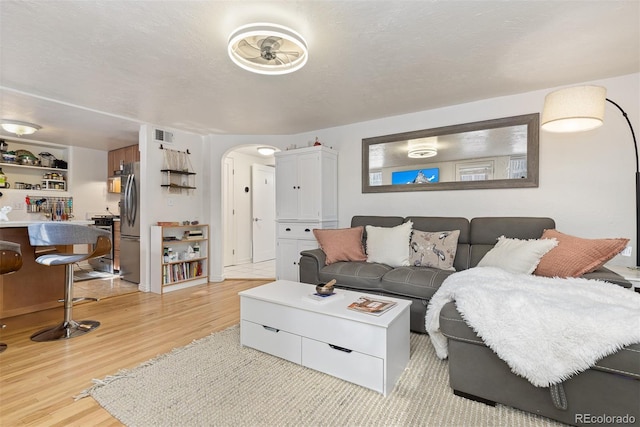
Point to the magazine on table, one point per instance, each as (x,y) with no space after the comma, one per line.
(371,305)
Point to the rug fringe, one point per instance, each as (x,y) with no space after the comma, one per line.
(125,373)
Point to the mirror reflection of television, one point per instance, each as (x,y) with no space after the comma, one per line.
(416,176)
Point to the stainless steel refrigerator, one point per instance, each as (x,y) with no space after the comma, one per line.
(130,223)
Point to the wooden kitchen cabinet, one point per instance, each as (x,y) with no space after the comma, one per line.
(115,159)
(35,286)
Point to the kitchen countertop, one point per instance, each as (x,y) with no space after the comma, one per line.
(15,224)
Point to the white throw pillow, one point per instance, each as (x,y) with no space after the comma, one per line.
(517,256)
(389,245)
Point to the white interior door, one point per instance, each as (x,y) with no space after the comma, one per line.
(229,228)
(263,202)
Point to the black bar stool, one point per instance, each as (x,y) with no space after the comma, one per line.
(64,233)
(10,262)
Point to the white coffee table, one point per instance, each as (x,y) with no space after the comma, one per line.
(371,351)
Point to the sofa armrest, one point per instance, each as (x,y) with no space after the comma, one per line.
(311,261)
(604,274)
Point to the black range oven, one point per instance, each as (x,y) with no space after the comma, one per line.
(105,262)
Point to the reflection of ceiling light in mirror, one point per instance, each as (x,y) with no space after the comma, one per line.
(423,147)
(422,153)
(19,128)
(266,151)
(267,49)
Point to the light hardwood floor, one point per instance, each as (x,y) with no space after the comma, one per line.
(38,381)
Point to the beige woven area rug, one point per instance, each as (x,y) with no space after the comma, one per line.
(216,382)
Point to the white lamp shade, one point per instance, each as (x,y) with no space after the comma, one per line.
(574,109)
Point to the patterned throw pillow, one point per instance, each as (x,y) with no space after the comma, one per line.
(434,249)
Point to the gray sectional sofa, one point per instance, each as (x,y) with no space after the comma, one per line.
(606,394)
(418,284)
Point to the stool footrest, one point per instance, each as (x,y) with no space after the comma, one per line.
(65,330)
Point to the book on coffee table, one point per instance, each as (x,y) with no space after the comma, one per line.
(370,305)
(323,298)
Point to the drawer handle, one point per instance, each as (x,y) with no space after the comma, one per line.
(269,328)
(287,229)
(307,230)
(335,347)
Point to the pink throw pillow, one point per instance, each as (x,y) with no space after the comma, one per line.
(575,256)
(342,244)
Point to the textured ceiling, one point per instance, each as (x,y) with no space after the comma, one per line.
(90,72)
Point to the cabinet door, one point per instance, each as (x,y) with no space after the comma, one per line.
(287,187)
(309,177)
(112,163)
(287,259)
(131,154)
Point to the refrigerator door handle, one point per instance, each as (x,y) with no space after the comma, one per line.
(125,200)
(134,200)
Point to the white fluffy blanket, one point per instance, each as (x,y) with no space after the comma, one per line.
(545,329)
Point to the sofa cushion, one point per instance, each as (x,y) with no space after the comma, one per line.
(437,223)
(417,282)
(517,256)
(434,249)
(486,230)
(389,245)
(575,256)
(342,244)
(358,274)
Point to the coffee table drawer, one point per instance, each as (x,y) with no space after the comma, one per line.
(358,368)
(270,340)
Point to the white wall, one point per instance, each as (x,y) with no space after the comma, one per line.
(157,203)
(586,179)
(88,183)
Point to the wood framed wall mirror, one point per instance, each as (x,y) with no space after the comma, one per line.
(498,153)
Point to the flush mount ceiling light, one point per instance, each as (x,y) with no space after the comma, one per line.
(267,49)
(19,128)
(266,151)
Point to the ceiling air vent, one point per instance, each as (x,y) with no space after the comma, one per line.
(163,136)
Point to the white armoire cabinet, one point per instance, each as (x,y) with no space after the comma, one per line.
(306,198)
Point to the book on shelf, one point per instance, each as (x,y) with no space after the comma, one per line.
(323,298)
(371,305)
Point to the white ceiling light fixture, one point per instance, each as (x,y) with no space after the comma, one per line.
(267,49)
(19,128)
(266,151)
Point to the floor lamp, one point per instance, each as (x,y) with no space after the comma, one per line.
(581,108)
